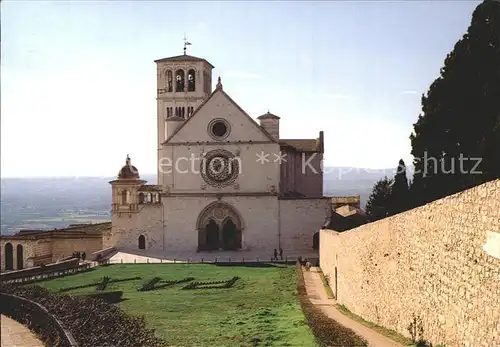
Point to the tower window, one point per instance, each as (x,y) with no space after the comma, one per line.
(190,111)
(169,81)
(179,78)
(206,85)
(125,197)
(191,80)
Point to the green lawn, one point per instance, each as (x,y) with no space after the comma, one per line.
(263,303)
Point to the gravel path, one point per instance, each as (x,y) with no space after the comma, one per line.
(15,334)
(317,295)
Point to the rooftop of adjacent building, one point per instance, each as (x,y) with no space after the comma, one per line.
(71,230)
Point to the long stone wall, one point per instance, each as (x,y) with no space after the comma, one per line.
(439,262)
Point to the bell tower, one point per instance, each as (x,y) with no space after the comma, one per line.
(183,83)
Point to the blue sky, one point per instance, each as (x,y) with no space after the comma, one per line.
(79,83)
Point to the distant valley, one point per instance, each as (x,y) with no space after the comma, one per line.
(48,203)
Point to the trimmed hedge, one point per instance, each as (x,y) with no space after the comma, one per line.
(109,297)
(212,284)
(171,283)
(62,290)
(326,330)
(103,284)
(91,322)
(94,284)
(149,285)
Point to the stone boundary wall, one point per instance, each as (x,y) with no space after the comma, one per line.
(439,262)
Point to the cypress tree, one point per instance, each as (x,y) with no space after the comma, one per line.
(379,201)
(456,139)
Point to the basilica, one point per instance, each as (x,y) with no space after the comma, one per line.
(225,181)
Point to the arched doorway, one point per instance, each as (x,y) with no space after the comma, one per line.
(142,242)
(212,235)
(231,239)
(219,227)
(9,256)
(20,263)
(316,240)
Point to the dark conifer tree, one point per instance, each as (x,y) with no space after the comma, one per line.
(460,121)
(400,190)
(378,205)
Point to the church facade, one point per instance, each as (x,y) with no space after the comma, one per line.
(225,180)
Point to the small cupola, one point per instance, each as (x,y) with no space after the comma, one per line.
(270,123)
(128,171)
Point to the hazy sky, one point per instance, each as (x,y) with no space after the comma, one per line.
(78,82)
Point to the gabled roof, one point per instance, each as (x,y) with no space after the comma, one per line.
(230,100)
(183,57)
(302,145)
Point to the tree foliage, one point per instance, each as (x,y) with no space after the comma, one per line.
(460,120)
(400,199)
(379,201)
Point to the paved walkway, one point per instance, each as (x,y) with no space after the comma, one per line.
(15,334)
(317,295)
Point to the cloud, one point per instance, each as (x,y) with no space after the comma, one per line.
(408,92)
(242,75)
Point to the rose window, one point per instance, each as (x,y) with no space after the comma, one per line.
(219,168)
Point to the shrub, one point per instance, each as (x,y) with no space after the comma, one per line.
(326,330)
(91,322)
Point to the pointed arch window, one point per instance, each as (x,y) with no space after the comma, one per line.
(191,80)
(179,80)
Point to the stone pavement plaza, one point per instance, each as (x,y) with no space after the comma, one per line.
(15,334)
(151,256)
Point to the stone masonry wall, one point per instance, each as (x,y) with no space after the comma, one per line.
(259,216)
(439,262)
(65,246)
(300,219)
(127,227)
